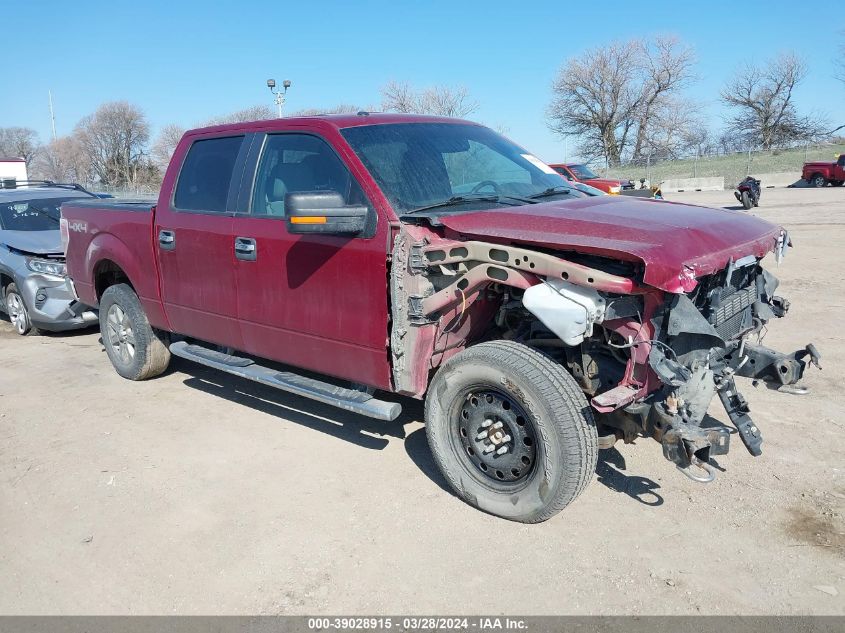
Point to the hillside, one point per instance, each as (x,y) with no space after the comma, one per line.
(734,167)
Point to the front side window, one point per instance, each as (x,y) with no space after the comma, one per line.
(41,214)
(206,175)
(420,164)
(295,163)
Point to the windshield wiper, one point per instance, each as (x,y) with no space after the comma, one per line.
(551,191)
(457,200)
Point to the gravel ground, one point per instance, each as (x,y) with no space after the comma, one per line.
(197,493)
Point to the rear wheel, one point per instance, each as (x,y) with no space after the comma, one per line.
(511,431)
(135,349)
(17,311)
(818,181)
(745,198)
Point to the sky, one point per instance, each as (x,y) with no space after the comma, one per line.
(186,61)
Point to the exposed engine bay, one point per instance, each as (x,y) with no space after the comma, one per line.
(649,361)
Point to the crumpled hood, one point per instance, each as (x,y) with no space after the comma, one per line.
(35,242)
(675,242)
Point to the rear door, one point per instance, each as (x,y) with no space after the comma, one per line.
(313,301)
(194,240)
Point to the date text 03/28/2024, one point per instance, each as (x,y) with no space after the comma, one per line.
(417,623)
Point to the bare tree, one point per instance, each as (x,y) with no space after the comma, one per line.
(595,99)
(437,100)
(114,139)
(762,100)
(676,129)
(64,160)
(730,143)
(165,144)
(253,113)
(667,66)
(19,142)
(612,97)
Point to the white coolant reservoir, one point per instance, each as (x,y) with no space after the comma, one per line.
(566,309)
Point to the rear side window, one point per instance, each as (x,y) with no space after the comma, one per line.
(207,174)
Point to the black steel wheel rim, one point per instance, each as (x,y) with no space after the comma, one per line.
(494,437)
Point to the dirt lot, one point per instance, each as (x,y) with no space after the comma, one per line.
(199,493)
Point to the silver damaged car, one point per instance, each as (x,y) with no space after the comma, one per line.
(35,291)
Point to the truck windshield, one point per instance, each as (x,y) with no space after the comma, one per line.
(40,214)
(582,172)
(418,165)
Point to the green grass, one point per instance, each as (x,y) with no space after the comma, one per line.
(734,167)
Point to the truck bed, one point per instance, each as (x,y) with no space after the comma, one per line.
(114,231)
(140,205)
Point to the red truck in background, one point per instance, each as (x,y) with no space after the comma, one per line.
(820,174)
(576,172)
(435,259)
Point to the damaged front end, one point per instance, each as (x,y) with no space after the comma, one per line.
(698,343)
(649,360)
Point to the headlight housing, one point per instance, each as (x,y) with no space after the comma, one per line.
(615,189)
(46,267)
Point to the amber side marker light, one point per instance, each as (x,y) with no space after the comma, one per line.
(308,219)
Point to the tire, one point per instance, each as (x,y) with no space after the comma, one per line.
(818,181)
(745,198)
(837,183)
(535,399)
(18,312)
(135,349)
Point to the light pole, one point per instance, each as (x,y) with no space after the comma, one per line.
(279,94)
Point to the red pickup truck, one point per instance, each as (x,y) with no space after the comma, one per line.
(576,172)
(383,255)
(819,174)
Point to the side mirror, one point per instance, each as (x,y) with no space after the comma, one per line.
(308,212)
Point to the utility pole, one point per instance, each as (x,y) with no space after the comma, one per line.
(279,94)
(52,115)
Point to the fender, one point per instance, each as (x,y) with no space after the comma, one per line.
(108,247)
(5,271)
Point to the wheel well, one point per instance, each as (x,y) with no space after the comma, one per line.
(5,280)
(106,274)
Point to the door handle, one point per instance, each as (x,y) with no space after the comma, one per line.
(166,239)
(246,249)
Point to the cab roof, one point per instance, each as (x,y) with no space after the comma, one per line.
(339,121)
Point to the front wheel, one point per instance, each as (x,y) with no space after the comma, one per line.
(18,314)
(818,181)
(511,431)
(745,198)
(135,349)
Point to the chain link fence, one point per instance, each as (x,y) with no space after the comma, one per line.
(143,192)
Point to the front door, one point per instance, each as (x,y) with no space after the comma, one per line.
(195,245)
(314,301)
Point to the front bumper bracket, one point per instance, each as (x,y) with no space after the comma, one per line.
(738,411)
